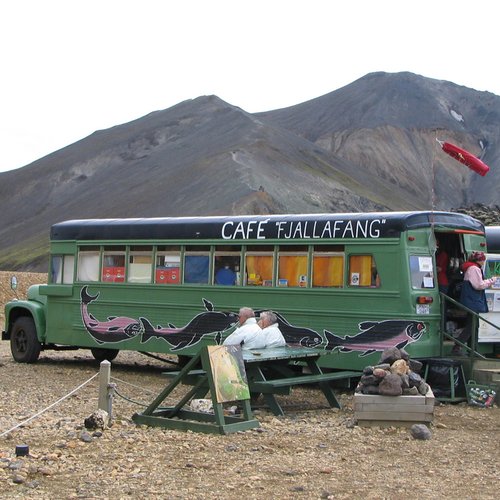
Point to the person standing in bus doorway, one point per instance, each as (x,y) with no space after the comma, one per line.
(268,321)
(442,261)
(248,334)
(473,293)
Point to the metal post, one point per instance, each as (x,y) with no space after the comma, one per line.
(104,378)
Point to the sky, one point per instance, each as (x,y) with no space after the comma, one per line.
(71,67)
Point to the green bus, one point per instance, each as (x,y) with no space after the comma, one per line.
(351,284)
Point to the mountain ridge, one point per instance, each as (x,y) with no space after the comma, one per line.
(369,146)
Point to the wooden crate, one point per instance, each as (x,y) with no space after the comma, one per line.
(399,411)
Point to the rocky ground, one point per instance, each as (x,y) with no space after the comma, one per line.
(311,452)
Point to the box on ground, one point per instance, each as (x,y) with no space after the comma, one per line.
(398,411)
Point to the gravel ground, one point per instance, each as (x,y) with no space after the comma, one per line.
(312,452)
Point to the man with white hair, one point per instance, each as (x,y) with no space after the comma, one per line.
(248,334)
(270,330)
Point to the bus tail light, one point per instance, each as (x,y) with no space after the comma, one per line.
(424,299)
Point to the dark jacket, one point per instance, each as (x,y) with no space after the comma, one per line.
(472,298)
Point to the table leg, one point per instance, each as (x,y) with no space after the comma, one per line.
(325,385)
(254,374)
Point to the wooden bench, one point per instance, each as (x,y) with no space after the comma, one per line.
(302,379)
(190,378)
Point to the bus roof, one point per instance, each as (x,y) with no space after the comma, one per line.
(261,227)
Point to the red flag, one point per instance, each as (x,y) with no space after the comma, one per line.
(473,162)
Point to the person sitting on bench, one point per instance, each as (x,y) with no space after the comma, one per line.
(268,321)
(248,334)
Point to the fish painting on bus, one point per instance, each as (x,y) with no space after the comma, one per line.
(113,329)
(297,335)
(119,328)
(205,323)
(377,336)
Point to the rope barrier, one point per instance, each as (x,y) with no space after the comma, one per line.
(128,399)
(24,422)
(132,385)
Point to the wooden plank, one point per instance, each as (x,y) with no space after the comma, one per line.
(304,379)
(394,408)
(404,400)
(394,416)
(388,423)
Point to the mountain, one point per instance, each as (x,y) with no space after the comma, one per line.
(368,146)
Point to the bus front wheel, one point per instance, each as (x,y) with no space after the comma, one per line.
(24,343)
(104,354)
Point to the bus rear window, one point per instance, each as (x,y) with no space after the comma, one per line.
(421,270)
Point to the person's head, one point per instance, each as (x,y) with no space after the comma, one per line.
(267,318)
(245,313)
(477,258)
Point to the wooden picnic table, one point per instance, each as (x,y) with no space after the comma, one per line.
(269,372)
(273,371)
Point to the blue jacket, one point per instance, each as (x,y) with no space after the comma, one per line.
(472,298)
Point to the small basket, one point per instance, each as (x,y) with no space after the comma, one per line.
(481,395)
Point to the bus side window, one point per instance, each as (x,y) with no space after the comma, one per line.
(292,266)
(363,271)
(197,265)
(56,269)
(259,265)
(113,266)
(140,264)
(328,270)
(88,265)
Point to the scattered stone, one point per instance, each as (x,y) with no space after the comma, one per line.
(391,385)
(420,431)
(410,391)
(415,365)
(369,380)
(86,437)
(423,388)
(400,367)
(96,420)
(18,479)
(390,355)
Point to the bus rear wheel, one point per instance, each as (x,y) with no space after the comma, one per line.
(101,354)
(24,343)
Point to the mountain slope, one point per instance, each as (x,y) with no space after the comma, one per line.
(368,146)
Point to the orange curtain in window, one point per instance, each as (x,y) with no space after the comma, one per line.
(291,268)
(361,264)
(328,271)
(259,268)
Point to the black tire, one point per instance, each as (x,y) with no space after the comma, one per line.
(101,354)
(24,343)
